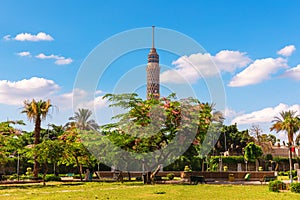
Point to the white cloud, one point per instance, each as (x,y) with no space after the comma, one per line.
(63,61)
(41,36)
(78,99)
(258,71)
(287,50)
(99,102)
(293,72)
(199,65)
(24,54)
(14,93)
(229,61)
(43,56)
(264,115)
(7,37)
(229,113)
(59,60)
(65,101)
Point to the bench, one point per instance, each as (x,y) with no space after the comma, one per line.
(197,179)
(268,179)
(70,174)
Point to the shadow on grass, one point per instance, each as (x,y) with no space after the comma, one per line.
(30,186)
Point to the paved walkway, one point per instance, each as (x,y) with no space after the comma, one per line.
(243,182)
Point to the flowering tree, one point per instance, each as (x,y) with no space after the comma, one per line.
(152,125)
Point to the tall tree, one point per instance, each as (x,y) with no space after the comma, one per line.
(289,122)
(75,153)
(256,131)
(82,120)
(48,151)
(36,111)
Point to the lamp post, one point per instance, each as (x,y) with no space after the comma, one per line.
(291,167)
(225,141)
(220,162)
(246,165)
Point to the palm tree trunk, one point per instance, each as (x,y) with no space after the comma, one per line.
(37,132)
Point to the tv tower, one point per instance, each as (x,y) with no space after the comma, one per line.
(153,71)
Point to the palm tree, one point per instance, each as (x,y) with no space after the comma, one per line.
(82,121)
(289,122)
(36,111)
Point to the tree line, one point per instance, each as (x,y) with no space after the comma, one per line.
(167,118)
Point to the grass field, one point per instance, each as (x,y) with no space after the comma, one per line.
(99,190)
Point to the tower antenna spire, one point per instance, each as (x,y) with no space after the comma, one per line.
(153,36)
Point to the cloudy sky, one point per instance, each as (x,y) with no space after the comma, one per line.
(254,45)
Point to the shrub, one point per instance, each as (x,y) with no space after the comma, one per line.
(13,177)
(295,187)
(52,177)
(170,176)
(29,171)
(225,168)
(268,157)
(24,177)
(77,176)
(187,168)
(275,186)
(281,173)
(294,173)
(4,178)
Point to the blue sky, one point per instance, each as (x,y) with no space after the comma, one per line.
(255,45)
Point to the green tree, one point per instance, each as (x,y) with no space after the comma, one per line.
(36,111)
(252,152)
(150,125)
(232,138)
(48,151)
(289,122)
(75,153)
(82,120)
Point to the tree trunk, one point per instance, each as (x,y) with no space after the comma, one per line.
(45,173)
(79,168)
(37,132)
(256,165)
(81,171)
(129,175)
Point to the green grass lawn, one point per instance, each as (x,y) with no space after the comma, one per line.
(99,190)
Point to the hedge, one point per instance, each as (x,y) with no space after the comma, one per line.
(229,159)
(295,187)
(275,186)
